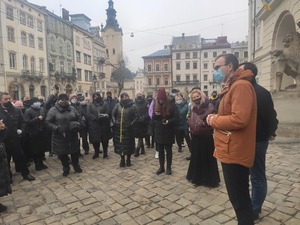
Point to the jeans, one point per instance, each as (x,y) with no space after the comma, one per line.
(237,184)
(258,176)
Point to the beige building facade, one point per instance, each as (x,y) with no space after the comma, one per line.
(23,55)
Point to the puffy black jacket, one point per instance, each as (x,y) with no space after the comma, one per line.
(124,117)
(141,126)
(65,123)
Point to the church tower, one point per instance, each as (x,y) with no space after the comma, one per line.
(112,36)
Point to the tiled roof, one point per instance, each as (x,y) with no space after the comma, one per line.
(192,39)
(159,53)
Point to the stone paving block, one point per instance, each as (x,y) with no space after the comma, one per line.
(89,201)
(183,202)
(93,220)
(107,214)
(215,208)
(155,214)
(8,218)
(121,218)
(184,212)
(29,219)
(279,216)
(204,214)
(69,220)
(60,210)
(143,219)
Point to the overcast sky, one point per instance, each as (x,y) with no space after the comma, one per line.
(155,22)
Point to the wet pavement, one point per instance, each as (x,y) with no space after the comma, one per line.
(107,194)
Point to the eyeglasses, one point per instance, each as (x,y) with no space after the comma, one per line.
(218,67)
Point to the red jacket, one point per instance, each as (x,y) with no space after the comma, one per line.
(235,123)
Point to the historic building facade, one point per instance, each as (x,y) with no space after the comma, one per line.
(158,71)
(23,58)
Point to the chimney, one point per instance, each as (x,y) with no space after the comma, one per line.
(182,35)
(65,14)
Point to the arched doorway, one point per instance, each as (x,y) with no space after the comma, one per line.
(31,91)
(16,93)
(69,89)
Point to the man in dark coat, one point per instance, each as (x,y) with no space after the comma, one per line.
(5,187)
(110,102)
(266,127)
(64,121)
(13,119)
(84,129)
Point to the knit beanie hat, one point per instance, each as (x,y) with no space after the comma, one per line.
(161,94)
(33,100)
(72,95)
(62,97)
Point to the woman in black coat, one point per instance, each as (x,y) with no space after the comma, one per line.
(65,123)
(5,179)
(124,116)
(141,126)
(164,118)
(35,126)
(99,124)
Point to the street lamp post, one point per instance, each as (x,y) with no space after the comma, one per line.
(94,82)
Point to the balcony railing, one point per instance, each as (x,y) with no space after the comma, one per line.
(186,82)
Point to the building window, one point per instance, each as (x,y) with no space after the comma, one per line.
(52,45)
(32,65)
(62,67)
(205,87)
(31,40)
(165,67)
(79,77)
(25,62)
(40,26)
(237,54)
(40,43)
(194,77)
(205,54)
(86,75)
(245,54)
(78,59)
(177,78)
(43,90)
(166,81)
(156,67)
(12,60)
(178,66)
(215,54)
(195,55)
(205,66)
(114,51)
(157,81)
(53,64)
(223,52)
(187,55)
(177,55)
(149,68)
(42,65)
(187,78)
(9,13)
(61,47)
(77,40)
(68,49)
(31,91)
(187,66)
(149,81)
(23,18)
(195,65)
(87,59)
(11,34)
(205,77)
(30,21)
(23,38)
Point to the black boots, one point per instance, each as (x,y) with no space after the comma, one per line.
(160,170)
(105,155)
(122,162)
(39,164)
(143,150)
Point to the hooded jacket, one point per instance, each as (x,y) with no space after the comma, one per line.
(235,123)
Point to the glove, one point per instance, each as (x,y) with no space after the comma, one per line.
(102,116)
(74,126)
(19,132)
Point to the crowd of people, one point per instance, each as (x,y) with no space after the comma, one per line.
(227,127)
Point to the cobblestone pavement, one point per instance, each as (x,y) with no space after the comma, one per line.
(107,194)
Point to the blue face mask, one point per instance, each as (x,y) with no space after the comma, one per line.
(218,76)
(36,105)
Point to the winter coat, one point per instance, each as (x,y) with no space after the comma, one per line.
(13,119)
(99,126)
(65,123)
(111,104)
(83,116)
(183,110)
(165,134)
(235,123)
(36,131)
(124,117)
(5,179)
(267,122)
(141,126)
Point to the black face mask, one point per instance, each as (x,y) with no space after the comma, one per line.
(64,105)
(125,101)
(109,97)
(27,103)
(197,101)
(98,100)
(8,104)
(139,98)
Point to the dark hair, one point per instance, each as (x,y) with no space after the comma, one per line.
(33,100)
(123,95)
(98,94)
(2,93)
(250,66)
(230,58)
(56,87)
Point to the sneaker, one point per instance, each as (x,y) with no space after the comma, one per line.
(3,208)
(156,154)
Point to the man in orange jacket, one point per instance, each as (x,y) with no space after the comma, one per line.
(234,133)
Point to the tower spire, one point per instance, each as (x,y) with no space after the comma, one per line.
(111,21)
